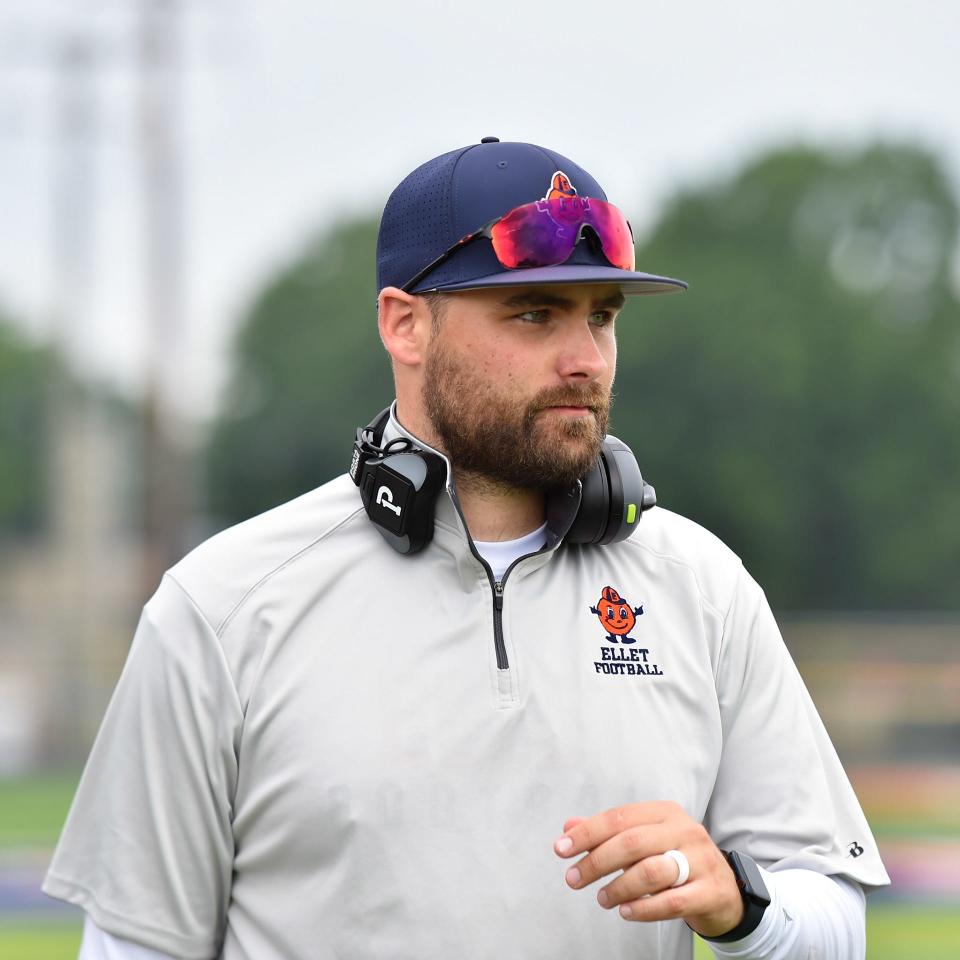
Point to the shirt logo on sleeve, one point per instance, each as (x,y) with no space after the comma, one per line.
(618,617)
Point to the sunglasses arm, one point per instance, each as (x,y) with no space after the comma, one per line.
(444,257)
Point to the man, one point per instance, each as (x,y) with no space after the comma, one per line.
(355,725)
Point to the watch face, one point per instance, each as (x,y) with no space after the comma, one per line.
(750,878)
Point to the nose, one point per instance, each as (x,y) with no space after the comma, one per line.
(585,353)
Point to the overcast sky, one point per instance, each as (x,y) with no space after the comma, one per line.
(295,112)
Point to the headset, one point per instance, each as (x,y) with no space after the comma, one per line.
(399,484)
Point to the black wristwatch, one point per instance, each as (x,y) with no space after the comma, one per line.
(753,890)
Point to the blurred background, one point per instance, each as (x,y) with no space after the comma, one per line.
(189,196)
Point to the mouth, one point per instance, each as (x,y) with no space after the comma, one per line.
(569,411)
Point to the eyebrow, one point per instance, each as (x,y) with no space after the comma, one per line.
(538,299)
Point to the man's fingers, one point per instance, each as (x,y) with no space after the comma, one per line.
(564,845)
(666,905)
(649,876)
(633,846)
(591,832)
(636,839)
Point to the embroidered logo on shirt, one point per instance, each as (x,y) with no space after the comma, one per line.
(618,618)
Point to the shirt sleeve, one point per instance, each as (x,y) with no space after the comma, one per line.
(810,915)
(147,850)
(781,794)
(99,945)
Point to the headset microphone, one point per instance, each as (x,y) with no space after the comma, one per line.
(399,484)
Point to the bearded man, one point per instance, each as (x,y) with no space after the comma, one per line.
(381,721)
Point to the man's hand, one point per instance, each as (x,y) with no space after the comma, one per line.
(633,838)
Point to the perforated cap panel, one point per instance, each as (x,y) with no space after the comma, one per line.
(415,220)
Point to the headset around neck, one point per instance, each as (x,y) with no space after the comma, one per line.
(400,481)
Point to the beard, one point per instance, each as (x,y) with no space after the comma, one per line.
(502,439)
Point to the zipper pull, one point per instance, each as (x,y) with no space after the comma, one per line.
(498,594)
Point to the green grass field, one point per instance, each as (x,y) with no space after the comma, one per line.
(32,813)
(893,933)
(30,941)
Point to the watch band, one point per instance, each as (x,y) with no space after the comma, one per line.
(753,890)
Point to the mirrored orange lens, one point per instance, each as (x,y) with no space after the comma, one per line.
(614,233)
(544,233)
(533,236)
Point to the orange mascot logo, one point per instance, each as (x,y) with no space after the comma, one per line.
(560,187)
(616,615)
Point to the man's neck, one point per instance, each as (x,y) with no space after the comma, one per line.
(494,511)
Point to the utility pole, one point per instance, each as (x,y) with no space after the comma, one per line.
(95,569)
(81,451)
(165,455)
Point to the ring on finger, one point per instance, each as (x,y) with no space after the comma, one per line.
(683,867)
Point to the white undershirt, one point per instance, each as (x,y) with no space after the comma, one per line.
(99,945)
(807,910)
(810,915)
(499,554)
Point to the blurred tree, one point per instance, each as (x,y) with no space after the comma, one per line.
(309,368)
(25,371)
(800,400)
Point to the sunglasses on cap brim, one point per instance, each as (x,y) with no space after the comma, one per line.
(544,233)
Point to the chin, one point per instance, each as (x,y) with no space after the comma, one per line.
(579,444)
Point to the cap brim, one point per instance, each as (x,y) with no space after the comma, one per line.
(630,284)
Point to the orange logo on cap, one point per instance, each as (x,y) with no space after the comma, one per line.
(560,186)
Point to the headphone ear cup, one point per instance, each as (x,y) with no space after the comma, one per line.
(590,523)
(399,484)
(399,492)
(630,494)
(614,495)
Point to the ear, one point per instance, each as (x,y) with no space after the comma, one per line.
(405,324)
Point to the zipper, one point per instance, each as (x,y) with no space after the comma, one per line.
(496,586)
(498,644)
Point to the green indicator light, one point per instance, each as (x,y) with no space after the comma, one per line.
(631,512)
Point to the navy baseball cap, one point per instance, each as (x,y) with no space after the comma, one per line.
(459,192)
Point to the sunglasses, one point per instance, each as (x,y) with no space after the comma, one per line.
(544,233)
